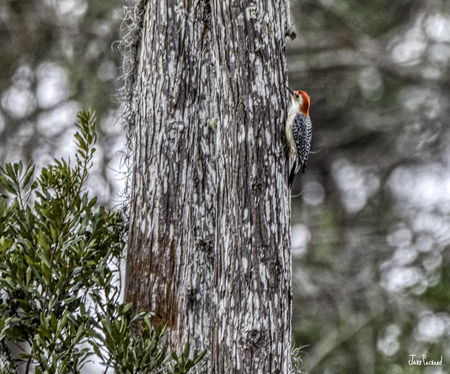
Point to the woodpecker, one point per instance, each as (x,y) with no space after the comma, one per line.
(298,132)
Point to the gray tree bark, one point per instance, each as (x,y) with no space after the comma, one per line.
(252,271)
(172,213)
(209,216)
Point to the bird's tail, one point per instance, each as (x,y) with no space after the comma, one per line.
(304,166)
(292,174)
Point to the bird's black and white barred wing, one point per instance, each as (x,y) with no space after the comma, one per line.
(302,131)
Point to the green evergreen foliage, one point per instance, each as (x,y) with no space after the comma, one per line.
(59,276)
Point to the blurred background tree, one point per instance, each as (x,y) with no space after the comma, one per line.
(371,230)
(58,57)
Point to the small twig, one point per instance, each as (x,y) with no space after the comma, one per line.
(27,368)
(294,196)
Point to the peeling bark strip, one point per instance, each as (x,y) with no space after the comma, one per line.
(209,225)
(252,275)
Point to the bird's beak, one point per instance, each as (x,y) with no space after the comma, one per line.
(290,90)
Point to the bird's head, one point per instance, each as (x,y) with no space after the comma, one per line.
(300,99)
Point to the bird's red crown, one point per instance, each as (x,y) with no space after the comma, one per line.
(305,106)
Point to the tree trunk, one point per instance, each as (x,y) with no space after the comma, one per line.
(252,274)
(209,223)
(172,214)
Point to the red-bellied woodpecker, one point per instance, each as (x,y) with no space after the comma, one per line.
(298,132)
